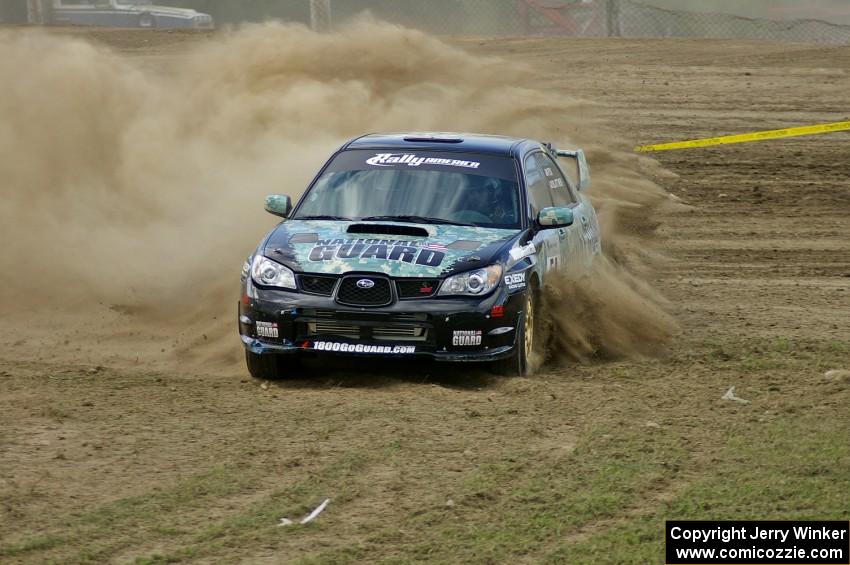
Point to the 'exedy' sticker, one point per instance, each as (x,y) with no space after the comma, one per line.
(405,251)
(515,281)
(411,160)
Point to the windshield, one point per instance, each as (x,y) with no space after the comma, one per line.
(421,187)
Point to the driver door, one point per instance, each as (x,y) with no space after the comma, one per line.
(578,242)
(547,241)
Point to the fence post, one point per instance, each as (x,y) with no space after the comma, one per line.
(524,17)
(35,12)
(320,15)
(613,12)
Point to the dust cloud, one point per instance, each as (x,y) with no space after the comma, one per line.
(613,311)
(138,183)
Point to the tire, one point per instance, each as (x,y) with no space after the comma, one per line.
(272,367)
(147,20)
(527,341)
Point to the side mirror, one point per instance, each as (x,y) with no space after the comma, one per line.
(279,205)
(582,170)
(555,217)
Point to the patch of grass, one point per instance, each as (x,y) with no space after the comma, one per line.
(794,467)
(37,543)
(116,525)
(151,507)
(260,520)
(54,412)
(763,354)
(753,363)
(639,541)
(159,559)
(783,470)
(392,448)
(508,509)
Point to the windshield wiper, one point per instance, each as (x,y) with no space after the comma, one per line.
(333,218)
(415,220)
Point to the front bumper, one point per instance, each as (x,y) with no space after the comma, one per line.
(445,329)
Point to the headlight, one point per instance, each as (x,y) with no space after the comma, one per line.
(266,272)
(472,283)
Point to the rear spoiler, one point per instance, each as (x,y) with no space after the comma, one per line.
(581,165)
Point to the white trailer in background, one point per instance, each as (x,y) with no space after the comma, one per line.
(106,13)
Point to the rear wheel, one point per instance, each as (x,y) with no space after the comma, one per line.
(519,364)
(272,367)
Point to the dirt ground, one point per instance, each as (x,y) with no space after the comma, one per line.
(120,444)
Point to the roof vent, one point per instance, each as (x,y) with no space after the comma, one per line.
(434,138)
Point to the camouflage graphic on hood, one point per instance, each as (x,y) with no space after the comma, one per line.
(330,247)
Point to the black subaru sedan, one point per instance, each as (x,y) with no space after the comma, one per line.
(412,244)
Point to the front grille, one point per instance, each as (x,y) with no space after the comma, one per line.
(373,317)
(366,326)
(354,331)
(354,294)
(333,328)
(401,333)
(416,288)
(313,284)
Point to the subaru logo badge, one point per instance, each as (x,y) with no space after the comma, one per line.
(365,283)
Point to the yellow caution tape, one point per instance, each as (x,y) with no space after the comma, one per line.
(746,137)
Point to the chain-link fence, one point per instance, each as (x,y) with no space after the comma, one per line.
(587,18)
(636,19)
(590,18)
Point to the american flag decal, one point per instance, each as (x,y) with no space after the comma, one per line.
(435,247)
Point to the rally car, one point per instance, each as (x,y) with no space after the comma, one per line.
(409,245)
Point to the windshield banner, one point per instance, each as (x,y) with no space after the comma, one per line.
(448,161)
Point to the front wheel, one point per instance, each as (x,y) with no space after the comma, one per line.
(519,364)
(271,367)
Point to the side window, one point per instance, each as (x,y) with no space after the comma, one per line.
(562,194)
(537,185)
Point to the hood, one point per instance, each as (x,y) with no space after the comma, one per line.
(394,249)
